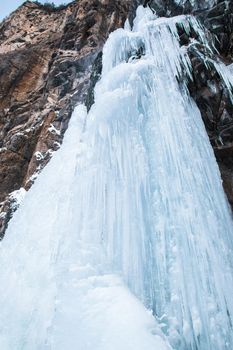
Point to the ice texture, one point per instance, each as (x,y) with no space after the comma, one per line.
(125,240)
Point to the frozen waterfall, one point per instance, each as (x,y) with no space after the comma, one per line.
(125,240)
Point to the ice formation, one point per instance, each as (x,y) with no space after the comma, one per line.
(125,240)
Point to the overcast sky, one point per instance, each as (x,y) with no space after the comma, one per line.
(7,6)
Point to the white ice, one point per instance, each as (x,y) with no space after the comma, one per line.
(125,240)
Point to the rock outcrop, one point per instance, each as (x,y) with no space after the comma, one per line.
(50,59)
(207,89)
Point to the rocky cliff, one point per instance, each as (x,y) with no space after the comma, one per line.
(50,59)
(206,87)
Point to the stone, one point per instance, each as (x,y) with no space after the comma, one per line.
(50,59)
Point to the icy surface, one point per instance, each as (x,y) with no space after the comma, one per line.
(18,195)
(226,74)
(125,240)
(197,4)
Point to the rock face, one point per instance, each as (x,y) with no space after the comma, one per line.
(50,59)
(210,94)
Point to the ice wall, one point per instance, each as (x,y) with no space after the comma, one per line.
(125,240)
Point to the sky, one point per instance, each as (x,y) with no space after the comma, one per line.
(7,6)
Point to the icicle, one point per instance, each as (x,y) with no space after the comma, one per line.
(226,75)
(125,240)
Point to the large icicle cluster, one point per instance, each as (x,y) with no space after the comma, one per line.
(125,241)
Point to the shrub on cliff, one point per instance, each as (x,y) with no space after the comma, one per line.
(50,6)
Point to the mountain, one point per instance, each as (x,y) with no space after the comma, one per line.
(124,241)
(51,59)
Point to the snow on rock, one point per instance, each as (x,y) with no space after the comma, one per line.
(125,240)
(52,129)
(17,197)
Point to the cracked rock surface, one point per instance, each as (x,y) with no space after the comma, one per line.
(49,60)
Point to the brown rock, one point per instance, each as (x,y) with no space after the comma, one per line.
(46,60)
